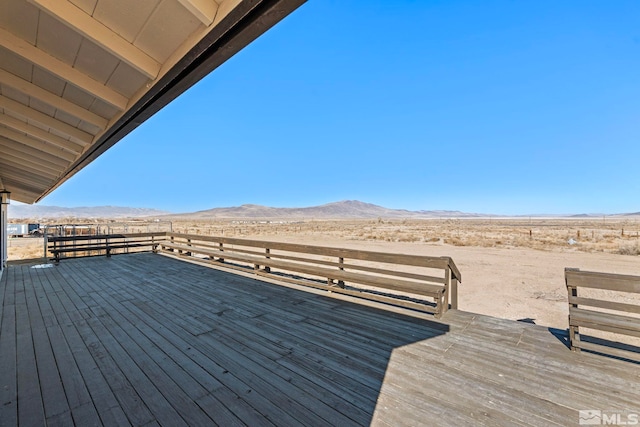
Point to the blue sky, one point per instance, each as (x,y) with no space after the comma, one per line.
(503,107)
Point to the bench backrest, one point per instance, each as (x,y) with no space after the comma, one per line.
(604,312)
(377,269)
(101,244)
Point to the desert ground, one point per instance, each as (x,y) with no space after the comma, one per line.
(511,268)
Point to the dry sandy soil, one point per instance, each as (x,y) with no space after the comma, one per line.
(512,269)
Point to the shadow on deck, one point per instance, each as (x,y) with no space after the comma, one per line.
(145,339)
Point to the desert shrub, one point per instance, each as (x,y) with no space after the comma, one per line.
(455,241)
(410,238)
(629,249)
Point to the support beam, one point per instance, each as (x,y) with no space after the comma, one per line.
(45,120)
(62,70)
(53,100)
(204,10)
(4,203)
(40,134)
(37,144)
(75,18)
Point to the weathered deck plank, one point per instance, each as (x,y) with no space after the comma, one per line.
(150,340)
(8,363)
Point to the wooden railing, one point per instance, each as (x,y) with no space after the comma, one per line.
(399,279)
(391,278)
(102,244)
(604,312)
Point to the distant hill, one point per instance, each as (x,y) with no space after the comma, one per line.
(345,209)
(40,211)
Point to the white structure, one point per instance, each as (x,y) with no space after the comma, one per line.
(4,203)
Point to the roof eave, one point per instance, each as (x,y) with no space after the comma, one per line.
(245,23)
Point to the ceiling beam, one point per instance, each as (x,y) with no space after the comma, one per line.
(41,134)
(30,153)
(64,71)
(46,120)
(241,26)
(29,170)
(75,18)
(31,162)
(37,144)
(19,176)
(204,10)
(25,174)
(20,195)
(52,99)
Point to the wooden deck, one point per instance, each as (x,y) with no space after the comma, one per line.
(145,339)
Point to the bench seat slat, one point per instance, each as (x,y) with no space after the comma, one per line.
(610,305)
(79,238)
(279,256)
(604,328)
(358,293)
(99,248)
(578,316)
(609,350)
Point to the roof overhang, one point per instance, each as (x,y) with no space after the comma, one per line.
(76,76)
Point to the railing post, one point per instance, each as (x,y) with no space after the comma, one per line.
(106,245)
(330,284)
(4,215)
(46,242)
(447,288)
(341,261)
(220,245)
(574,331)
(188,244)
(267,251)
(454,293)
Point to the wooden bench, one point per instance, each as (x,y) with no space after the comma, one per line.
(308,260)
(615,319)
(107,243)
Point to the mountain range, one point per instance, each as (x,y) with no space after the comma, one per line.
(346,209)
(43,211)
